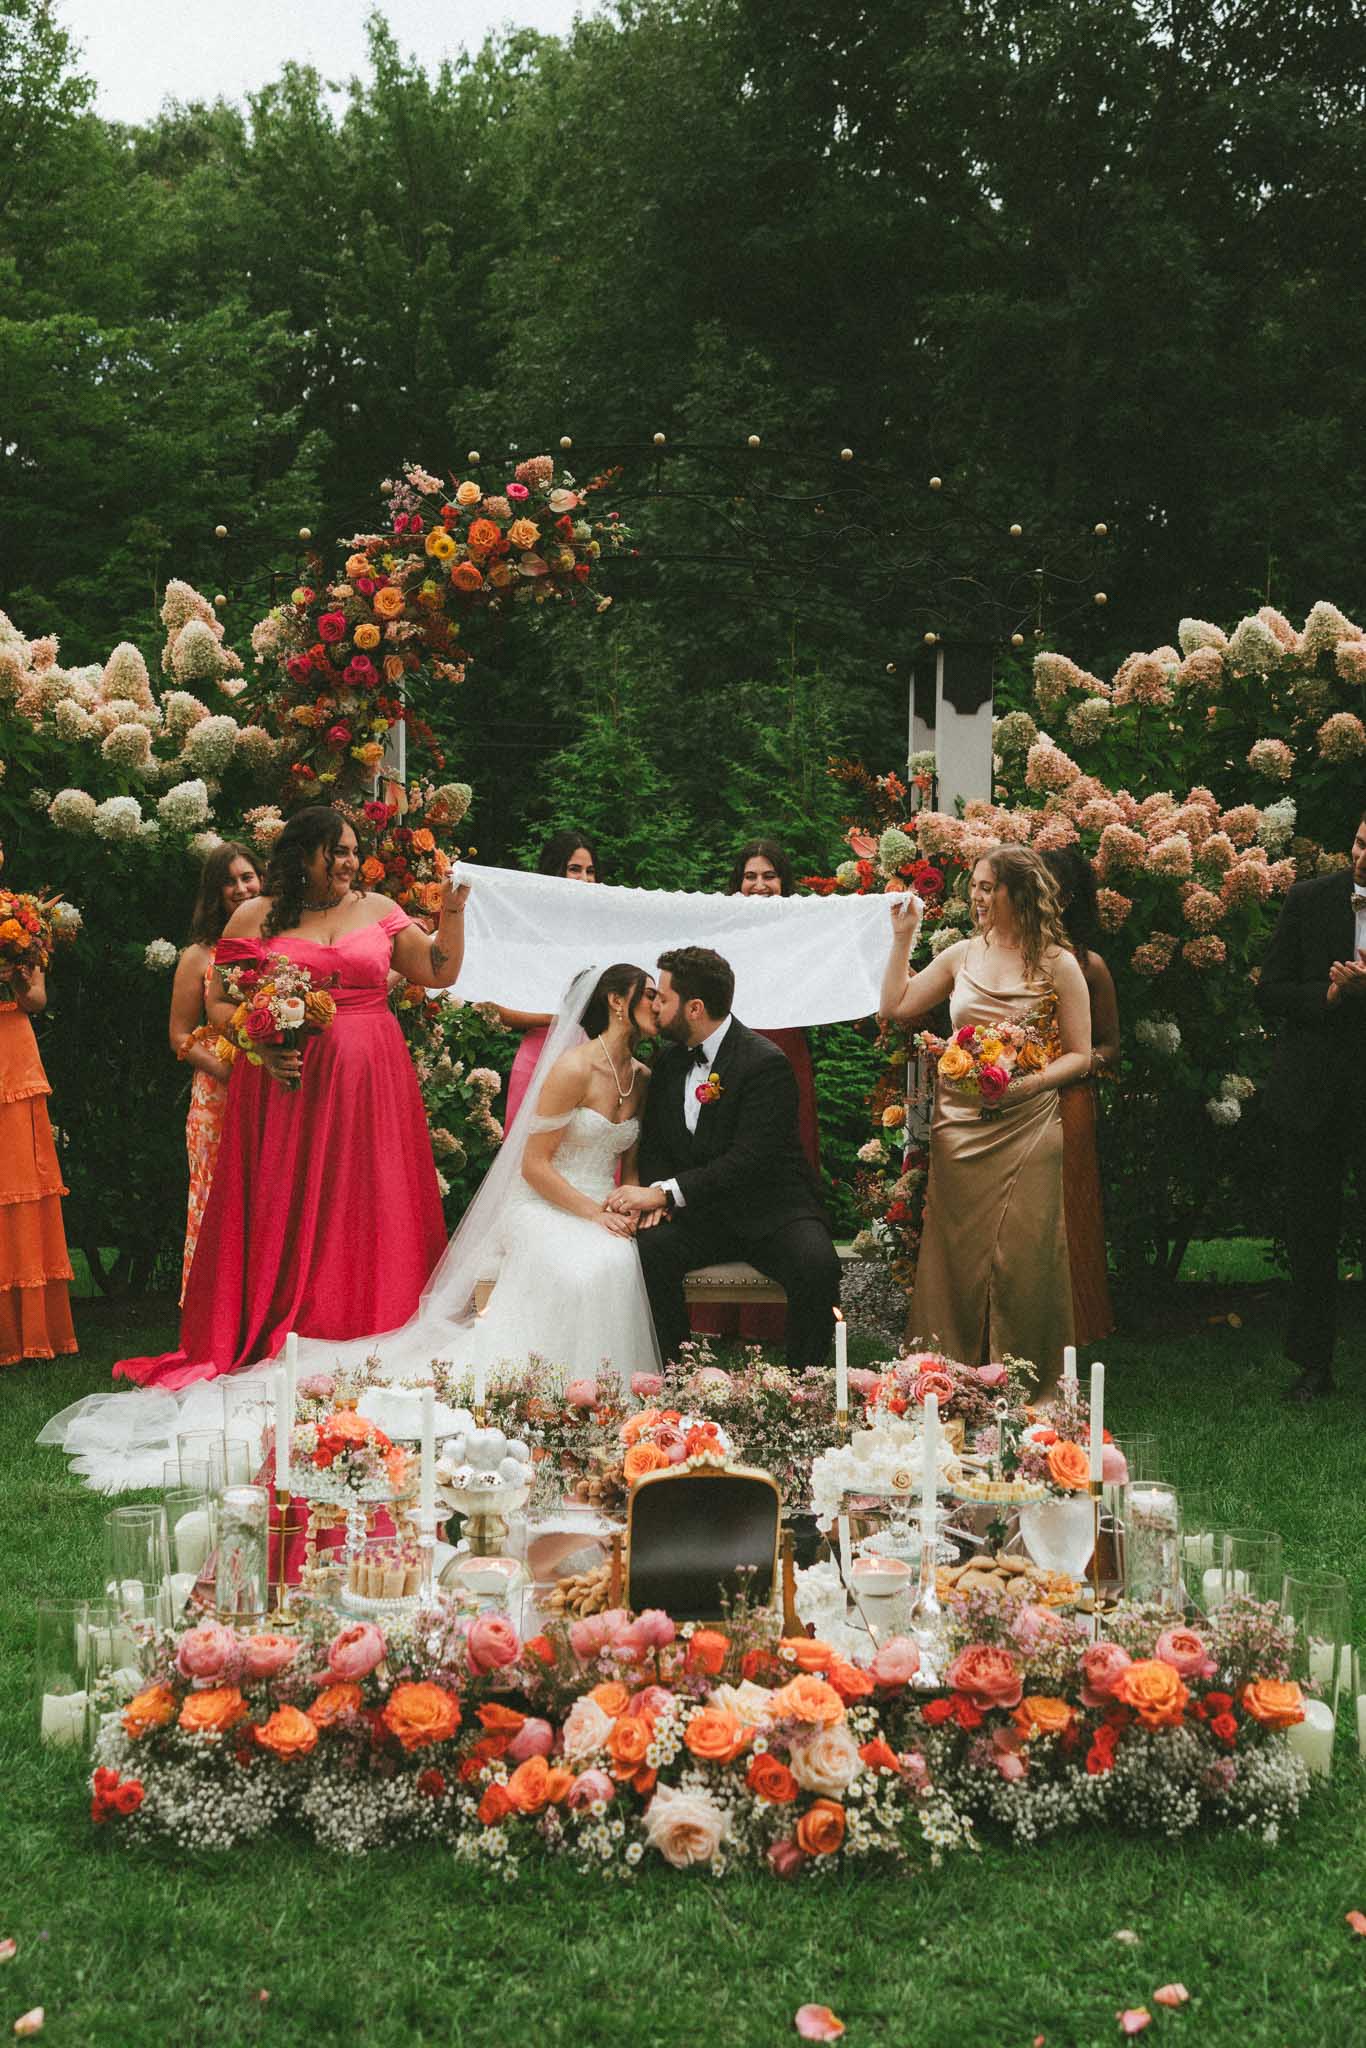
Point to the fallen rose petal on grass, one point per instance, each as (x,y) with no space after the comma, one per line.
(1171,1994)
(1126,1935)
(30,2022)
(1356,1921)
(817,2023)
(1134,2019)
(9,1949)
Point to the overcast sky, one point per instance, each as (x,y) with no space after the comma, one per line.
(141,52)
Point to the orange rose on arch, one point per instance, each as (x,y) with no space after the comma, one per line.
(611,1696)
(213,1712)
(807,1653)
(1273,1703)
(535,1784)
(627,1744)
(155,1708)
(333,1702)
(421,1714)
(807,1699)
(820,1831)
(643,1458)
(495,1805)
(371,871)
(716,1735)
(634,1428)
(483,535)
(768,1778)
(467,576)
(1154,1691)
(393,668)
(1069,1466)
(366,635)
(388,602)
(849,1682)
(501,1720)
(287,1734)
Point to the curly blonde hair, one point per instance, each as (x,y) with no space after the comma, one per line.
(1034,902)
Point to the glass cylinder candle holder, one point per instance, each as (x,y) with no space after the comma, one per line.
(247,1411)
(234,1461)
(136,1564)
(1251,1564)
(177,1472)
(1319,1606)
(1152,1545)
(114,1659)
(190,1520)
(200,1447)
(60,1672)
(241,1588)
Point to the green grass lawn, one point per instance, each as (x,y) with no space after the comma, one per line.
(284,1945)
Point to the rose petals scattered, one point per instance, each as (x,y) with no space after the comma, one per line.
(1171,1994)
(30,2022)
(1126,1935)
(1356,1921)
(1134,2019)
(9,1949)
(817,2023)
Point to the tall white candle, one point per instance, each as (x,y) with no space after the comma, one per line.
(929,1470)
(841,1364)
(1312,1738)
(428,1494)
(292,1367)
(1097,1422)
(283,1426)
(481,1381)
(1069,1362)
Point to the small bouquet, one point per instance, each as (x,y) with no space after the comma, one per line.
(349,1457)
(983,1059)
(30,926)
(278,1004)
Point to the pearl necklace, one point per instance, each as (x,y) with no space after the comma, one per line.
(622,1093)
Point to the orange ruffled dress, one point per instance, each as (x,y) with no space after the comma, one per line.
(35,1312)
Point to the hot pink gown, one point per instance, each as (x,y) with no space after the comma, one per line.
(324,1215)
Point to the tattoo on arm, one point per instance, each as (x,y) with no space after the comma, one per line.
(439,955)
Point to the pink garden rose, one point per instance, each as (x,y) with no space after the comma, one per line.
(491,1643)
(591,1786)
(319,1386)
(1010,1764)
(1102,1666)
(685,1827)
(1114,1466)
(1033,1625)
(827,1762)
(581,1394)
(354,1653)
(645,1385)
(785,1859)
(991,1677)
(713,1376)
(933,1381)
(897,1662)
(533,1738)
(990,1375)
(1186,1652)
(595,1632)
(649,1702)
(652,1630)
(264,1655)
(586,1729)
(665,1437)
(208,1655)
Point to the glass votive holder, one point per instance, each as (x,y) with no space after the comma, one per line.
(190,1521)
(1139,1453)
(234,1461)
(1318,1605)
(247,1412)
(195,1472)
(1252,1564)
(198,1447)
(60,1666)
(1152,1544)
(241,1579)
(115,1647)
(136,1561)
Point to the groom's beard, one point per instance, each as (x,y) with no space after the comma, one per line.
(677,1029)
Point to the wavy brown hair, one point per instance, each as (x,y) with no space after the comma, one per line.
(762,849)
(1034,901)
(209,916)
(286,877)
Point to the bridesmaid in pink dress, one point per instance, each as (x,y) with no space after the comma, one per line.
(763,869)
(324,1215)
(230,876)
(570,854)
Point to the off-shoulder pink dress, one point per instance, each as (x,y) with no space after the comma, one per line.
(324,1215)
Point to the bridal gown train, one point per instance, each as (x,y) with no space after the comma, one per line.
(567,1290)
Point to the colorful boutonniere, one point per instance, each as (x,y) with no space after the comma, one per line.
(709,1090)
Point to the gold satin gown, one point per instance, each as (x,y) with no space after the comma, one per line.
(993,1274)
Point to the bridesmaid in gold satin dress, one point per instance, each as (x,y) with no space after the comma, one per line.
(993,1274)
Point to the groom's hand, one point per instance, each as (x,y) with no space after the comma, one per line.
(637,1201)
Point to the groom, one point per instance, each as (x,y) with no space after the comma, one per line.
(728,1176)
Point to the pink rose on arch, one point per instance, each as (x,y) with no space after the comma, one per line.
(365,586)
(589,1787)
(991,1375)
(265,1655)
(652,1630)
(491,1643)
(331,625)
(339,736)
(1102,1667)
(897,1662)
(992,1081)
(533,1738)
(645,1385)
(581,1394)
(354,1653)
(208,1655)
(517,492)
(1186,1652)
(596,1632)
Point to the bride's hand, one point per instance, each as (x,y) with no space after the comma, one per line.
(619,1225)
(907,911)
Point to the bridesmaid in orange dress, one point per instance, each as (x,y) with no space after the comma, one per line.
(1092,1312)
(230,876)
(762,868)
(35,1311)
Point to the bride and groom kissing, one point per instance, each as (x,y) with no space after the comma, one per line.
(617,1180)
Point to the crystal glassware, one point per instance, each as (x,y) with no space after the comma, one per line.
(1152,1544)
(194,1472)
(136,1563)
(1252,1564)
(198,1447)
(241,1587)
(1060,1535)
(1319,1606)
(234,1461)
(60,1667)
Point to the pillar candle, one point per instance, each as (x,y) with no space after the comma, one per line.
(63,1719)
(1097,1422)
(929,1471)
(1323,1663)
(428,1494)
(1069,1362)
(841,1364)
(481,1376)
(192,1540)
(292,1367)
(1312,1738)
(1361,1726)
(283,1425)
(1217,1584)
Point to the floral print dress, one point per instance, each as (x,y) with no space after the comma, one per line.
(203,1131)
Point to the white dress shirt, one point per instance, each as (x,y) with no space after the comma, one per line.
(694,1075)
(1359,905)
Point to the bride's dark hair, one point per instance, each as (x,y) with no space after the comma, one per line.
(621,980)
(286,877)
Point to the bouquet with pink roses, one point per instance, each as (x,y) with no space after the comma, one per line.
(278,1005)
(983,1059)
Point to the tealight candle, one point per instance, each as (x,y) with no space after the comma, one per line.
(63,1719)
(1312,1738)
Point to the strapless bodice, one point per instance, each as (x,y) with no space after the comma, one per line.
(588,1152)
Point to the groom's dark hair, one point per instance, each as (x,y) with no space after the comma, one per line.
(698,972)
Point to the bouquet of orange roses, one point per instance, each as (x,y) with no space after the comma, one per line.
(983,1059)
(30,926)
(279,1004)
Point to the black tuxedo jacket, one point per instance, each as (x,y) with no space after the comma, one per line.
(1319,1063)
(744,1166)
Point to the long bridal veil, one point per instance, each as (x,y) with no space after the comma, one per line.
(120,1441)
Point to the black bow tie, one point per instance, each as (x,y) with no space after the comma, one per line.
(699,1056)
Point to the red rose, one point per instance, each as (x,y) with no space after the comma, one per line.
(299,666)
(361,672)
(992,1081)
(1099,1761)
(339,736)
(965,1713)
(967,1037)
(260,1027)
(377,813)
(1219,1702)
(926,879)
(1225,1728)
(127,1798)
(936,1713)
(331,626)
(431,1784)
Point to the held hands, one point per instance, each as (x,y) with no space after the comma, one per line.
(619,1224)
(1347,978)
(643,1203)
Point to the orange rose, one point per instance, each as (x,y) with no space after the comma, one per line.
(715,1735)
(389,602)
(808,1653)
(319,1008)
(821,1828)
(643,1458)
(627,1744)
(495,1805)
(357,565)
(155,1708)
(955,1063)
(635,1427)
(879,1755)
(534,1784)
(769,1779)
(467,576)
(421,1714)
(333,1702)
(1069,1466)
(501,1720)
(423,840)
(483,535)
(1040,1714)
(500,575)
(808,1699)
(1154,1692)
(524,533)
(708,1651)
(611,1696)
(393,668)
(849,1682)
(371,871)
(366,635)
(1271,1702)
(287,1733)
(1032,1056)
(213,1712)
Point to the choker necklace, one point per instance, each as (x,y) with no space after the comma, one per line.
(622,1093)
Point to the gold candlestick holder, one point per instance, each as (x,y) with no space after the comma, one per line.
(279,1529)
(842,1422)
(1094,1488)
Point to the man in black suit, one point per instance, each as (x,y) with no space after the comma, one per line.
(728,1178)
(1314,980)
